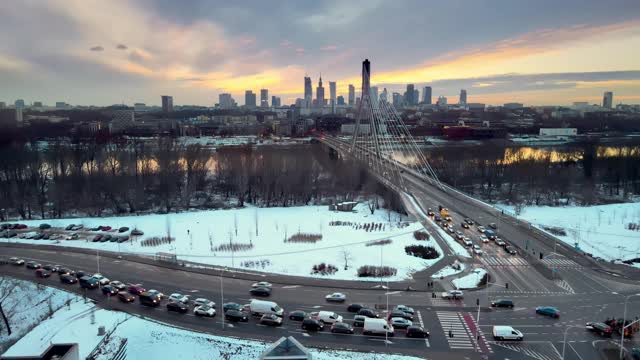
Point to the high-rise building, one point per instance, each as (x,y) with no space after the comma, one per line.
(463,97)
(264,98)
(396,99)
(409,94)
(320,94)
(332,92)
(442,100)
(226,101)
(352,95)
(308,91)
(3,105)
(607,100)
(275,101)
(167,103)
(62,104)
(366,78)
(384,95)
(37,104)
(426,95)
(19,116)
(416,96)
(19,104)
(373,92)
(340,100)
(250,99)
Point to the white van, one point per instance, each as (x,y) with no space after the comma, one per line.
(327,317)
(501,332)
(261,307)
(374,326)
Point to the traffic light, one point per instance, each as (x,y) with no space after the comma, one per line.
(478,302)
(541,256)
(506,285)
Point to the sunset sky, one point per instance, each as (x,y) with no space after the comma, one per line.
(106,52)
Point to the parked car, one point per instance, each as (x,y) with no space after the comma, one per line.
(33,265)
(125,297)
(235,315)
(400,323)
(19,226)
(122,238)
(548,311)
(336,297)
(262,284)
(231,306)
(203,301)
(177,307)
(510,249)
(114,238)
(354,308)
(400,314)
(260,291)
(68,279)
(73,236)
(502,303)
(271,320)
(106,238)
(109,290)
(370,313)
(42,273)
(477,250)
(204,310)
(600,328)
(481,229)
(312,324)
(15,261)
(44,226)
(105,228)
(297,315)
(123,229)
(179,298)
(484,239)
(88,282)
(342,328)
(136,289)
(405,309)
(358,320)
(69,227)
(415,331)
(136,232)
(493,226)
(97,238)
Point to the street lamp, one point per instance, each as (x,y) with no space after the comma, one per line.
(564,340)
(624,319)
(222,296)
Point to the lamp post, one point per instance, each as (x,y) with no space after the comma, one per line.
(564,339)
(98,259)
(624,319)
(222,296)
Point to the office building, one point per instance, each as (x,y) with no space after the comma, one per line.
(320,94)
(373,92)
(226,101)
(384,96)
(275,101)
(463,97)
(3,105)
(409,94)
(416,96)
(308,91)
(250,99)
(607,100)
(19,104)
(37,104)
(340,100)
(352,95)
(426,95)
(332,92)
(442,101)
(19,116)
(264,98)
(167,103)
(61,105)
(396,99)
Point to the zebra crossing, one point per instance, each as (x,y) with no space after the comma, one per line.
(453,324)
(561,263)
(445,302)
(540,351)
(565,285)
(503,261)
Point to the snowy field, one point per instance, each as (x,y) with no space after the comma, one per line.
(25,305)
(599,230)
(200,234)
(79,322)
(471,280)
(449,270)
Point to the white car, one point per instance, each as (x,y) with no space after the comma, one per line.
(262,284)
(398,322)
(500,242)
(101,279)
(481,229)
(467,241)
(16,261)
(477,250)
(203,301)
(179,298)
(484,238)
(156,293)
(337,297)
(452,294)
(204,310)
(406,309)
(118,285)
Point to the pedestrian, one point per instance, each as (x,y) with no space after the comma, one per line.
(450,333)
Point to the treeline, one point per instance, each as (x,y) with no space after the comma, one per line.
(58,179)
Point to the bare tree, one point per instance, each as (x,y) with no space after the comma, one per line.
(346,256)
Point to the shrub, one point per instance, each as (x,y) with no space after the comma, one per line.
(157,241)
(323,269)
(421,235)
(304,238)
(256,264)
(379,242)
(555,230)
(234,247)
(376,271)
(424,252)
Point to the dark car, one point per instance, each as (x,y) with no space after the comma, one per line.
(33,265)
(97,238)
(109,290)
(106,238)
(354,308)
(493,226)
(358,320)
(400,314)
(136,232)
(113,238)
(123,229)
(271,320)
(261,291)
(370,313)
(297,315)
(342,328)
(417,332)
(65,271)
(44,226)
(69,227)
(231,306)
(42,273)
(19,226)
(177,307)
(312,324)
(510,249)
(81,273)
(548,311)
(464,225)
(68,279)
(49,267)
(105,228)
(600,328)
(502,303)
(88,282)
(123,238)
(469,221)
(136,289)
(438,218)
(430,212)
(125,297)
(235,315)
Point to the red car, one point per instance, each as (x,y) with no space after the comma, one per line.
(136,289)
(126,298)
(19,226)
(105,228)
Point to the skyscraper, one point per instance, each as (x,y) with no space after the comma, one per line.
(397,99)
(463,97)
(249,99)
(340,100)
(226,101)
(2,105)
(409,94)
(352,95)
(607,100)
(264,98)
(426,95)
(320,94)
(275,101)
(366,71)
(373,92)
(332,92)
(384,95)
(442,100)
(167,103)
(308,91)
(19,104)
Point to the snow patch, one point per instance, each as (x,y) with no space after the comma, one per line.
(471,280)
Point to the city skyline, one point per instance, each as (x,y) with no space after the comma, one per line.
(134,52)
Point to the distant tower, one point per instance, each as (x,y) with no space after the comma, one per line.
(409,94)
(308,91)
(320,93)
(384,95)
(607,100)
(426,95)
(366,70)
(332,92)
(264,98)
(352,95)
(249,99)
(463,97)
(374,93)
(167,103)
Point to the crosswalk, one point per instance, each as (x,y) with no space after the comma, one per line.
(565,285)
(540,351)
(453,324)
(445,302)
(561,262)
(504,261)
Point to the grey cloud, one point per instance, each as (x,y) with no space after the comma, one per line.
(96,48)
(121,47)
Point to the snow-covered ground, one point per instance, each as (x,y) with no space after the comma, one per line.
(599,230)
(470,280)
(449,270)
(25,305)
(79,323)
(199,233)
